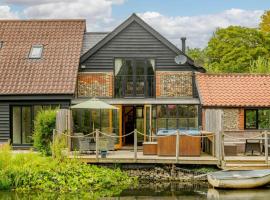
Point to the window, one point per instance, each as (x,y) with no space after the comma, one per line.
(257,119)
(23,122)
(1,44)
(36,51)
(134,77)
(184,117)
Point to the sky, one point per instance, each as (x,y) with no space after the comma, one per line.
(194,19)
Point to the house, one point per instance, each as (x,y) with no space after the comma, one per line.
(39,62)
(236,104)
(133,67)
(56,63)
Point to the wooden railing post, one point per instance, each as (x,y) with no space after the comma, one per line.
(97,143)
(177,146)
(266,146)
(219,149)
(135,144)
(223,149)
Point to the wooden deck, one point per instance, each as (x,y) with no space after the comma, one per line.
(127,156)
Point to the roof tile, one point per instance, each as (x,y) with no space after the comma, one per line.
(234,90)
(55,72)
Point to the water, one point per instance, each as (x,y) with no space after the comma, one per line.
(165,191)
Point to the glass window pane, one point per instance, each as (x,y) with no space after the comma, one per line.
(115,124)
(95,115)
(140,128)
(150,67)
(172,111)
(16,124)
(172,123)
(105,121)
(264,119)
(161,123)
(183,123)
(251,118)
(161,111)
(36,52)
(26,125)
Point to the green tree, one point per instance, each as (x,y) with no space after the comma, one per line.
(232,49)
(261,65)
(198,55)
(265,22)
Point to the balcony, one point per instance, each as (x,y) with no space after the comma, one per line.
(141,86)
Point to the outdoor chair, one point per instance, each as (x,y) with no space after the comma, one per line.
(253,145)
(85,144)
(107,143)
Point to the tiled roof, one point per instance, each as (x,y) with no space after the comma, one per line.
(234,90)
(55,72)
(90,39)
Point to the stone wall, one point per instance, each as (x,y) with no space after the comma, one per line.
(230,119)
(174,84)
(95,84)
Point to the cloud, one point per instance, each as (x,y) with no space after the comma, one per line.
(98,13)
(39,2)
(6,13)
(198,29)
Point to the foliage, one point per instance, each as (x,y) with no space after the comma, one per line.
(59,146)
(261,65)
(26,172)
(43,130)
(198,55)
(232,49)
(265,22)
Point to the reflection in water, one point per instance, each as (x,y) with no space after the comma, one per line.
(154,191)
(247,194)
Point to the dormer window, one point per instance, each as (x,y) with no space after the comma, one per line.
(36,51)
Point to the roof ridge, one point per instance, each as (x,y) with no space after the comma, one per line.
(39,20)
(97,32)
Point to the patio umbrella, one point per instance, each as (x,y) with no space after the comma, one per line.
(94,104)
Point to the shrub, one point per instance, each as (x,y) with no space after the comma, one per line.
(28,172)
(43,130)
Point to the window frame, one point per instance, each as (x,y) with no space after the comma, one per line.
(257,118)
(30,56)
(245,120)
(177,118)
(135,78)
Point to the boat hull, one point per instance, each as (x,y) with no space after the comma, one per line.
(238,183)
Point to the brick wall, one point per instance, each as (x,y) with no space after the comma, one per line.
(241,119)
(174,84)
(95,84)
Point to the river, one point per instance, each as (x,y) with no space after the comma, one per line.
(156,192)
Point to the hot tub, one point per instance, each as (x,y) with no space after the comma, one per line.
(188,144)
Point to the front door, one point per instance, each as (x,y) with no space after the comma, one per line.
(133,118)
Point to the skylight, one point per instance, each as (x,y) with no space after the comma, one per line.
(36,51)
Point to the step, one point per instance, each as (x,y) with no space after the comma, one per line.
(245,166)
